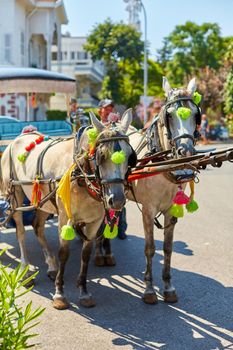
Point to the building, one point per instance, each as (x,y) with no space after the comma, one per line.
(77,63)
(28,29)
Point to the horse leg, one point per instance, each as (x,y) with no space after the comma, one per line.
(149,296)
(38,225)
(20,233)
(99,256)
(84,297)
(59,300)
(169,291)
(109,259)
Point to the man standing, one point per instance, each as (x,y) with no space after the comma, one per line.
(106,113)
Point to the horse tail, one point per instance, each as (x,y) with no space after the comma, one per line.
(1,184)
(4,168)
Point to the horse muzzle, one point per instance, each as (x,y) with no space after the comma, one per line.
(114,195)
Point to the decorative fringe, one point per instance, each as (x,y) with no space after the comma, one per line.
(67,231)
(110,232)
(192,206)
(180,197)
(197,98)
(22,157)
(118,157)
(183,112)
(177,211)
(36,192)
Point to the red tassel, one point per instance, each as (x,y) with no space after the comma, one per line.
(180,197)
(36,193)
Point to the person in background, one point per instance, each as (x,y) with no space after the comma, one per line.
(34,105)
(154,109)
(107,114)
(204,129)
(73,114)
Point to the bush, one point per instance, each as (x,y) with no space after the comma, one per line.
(15,321)
(56,114)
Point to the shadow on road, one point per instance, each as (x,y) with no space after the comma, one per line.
(202,319)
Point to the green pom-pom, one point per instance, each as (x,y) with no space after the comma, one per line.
(183,112)
(177,211)
(67,233)
(118,157)
(110,234)
(192,206)
(92,135)
(197,98)
(22,157)
(46,138)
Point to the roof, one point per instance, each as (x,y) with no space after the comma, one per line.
(23,80)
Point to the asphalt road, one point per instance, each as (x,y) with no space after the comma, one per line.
(202,271)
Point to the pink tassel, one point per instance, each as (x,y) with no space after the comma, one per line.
(180,197)
(111,214)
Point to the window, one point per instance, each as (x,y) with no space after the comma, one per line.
(82,55)
(8,45)
(22,47)
(54,56)
(72,55)
(64,55)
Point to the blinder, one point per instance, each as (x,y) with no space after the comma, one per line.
(96,159)
(132,161)
(166,115)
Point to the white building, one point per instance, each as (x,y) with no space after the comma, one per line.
(28,29)
(77,63)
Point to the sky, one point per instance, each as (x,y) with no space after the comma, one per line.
(162,16)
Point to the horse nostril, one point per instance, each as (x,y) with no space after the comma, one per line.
(181,151)
(110,200)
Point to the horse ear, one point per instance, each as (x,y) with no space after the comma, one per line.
(126,120)
(95,122)
(166,86)
(192,86)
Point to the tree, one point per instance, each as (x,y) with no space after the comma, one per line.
(189,48)
(229,93)
(121,47)
(211,85)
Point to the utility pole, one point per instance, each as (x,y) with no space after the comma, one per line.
(134,7)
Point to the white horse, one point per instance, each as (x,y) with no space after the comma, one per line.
(156,193)
(57,158)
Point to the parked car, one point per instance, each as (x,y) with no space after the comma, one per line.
(219,132)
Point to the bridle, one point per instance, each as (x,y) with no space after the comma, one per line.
(95,162)
(165,116)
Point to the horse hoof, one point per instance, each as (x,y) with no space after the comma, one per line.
(109,260)
(60,304)
(52,275)
(99,260)
(150,298)
(87,301)
(170,297)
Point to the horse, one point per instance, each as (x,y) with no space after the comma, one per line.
(54,158)
(156,193)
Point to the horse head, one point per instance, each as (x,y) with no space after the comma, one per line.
(179,118)
(111,156)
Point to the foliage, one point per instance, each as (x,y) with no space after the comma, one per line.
(15,321)
(211,86)
(229,93)
(189,48)
(56,114)
(114,42)
(121,47)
